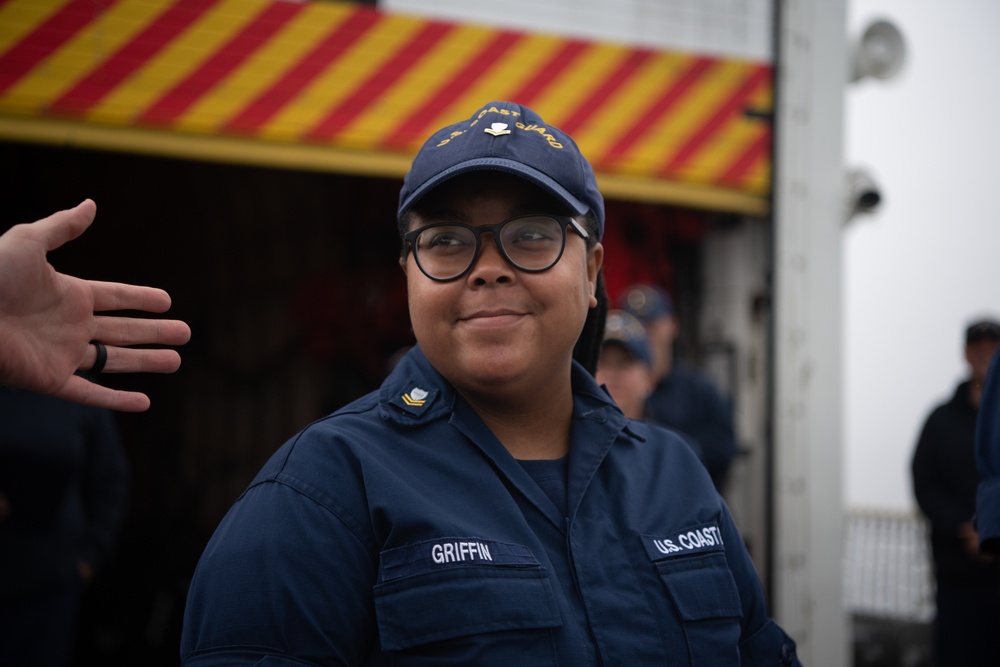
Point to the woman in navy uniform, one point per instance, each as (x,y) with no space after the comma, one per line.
(489,504)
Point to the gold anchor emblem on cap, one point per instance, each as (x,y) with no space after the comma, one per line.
(496,129)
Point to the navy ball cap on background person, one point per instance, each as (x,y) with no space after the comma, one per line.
(511,138)
(626,330)
(646,302)
(982,330)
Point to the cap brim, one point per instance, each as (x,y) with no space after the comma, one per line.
(631,349)
(526,172)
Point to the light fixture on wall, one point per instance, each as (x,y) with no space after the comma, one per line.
(879,53)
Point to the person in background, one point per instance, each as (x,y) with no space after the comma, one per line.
(625,363)
(682,398)
(988,463)
(944,482)
(63,497)
(50,329)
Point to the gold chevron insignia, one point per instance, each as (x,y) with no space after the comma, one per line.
(413,402)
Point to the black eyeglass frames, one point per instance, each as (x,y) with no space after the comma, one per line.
(446,251)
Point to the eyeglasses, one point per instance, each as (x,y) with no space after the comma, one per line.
(533,243)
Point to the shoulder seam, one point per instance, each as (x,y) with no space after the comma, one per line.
(349,521)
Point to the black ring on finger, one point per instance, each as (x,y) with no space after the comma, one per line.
(102,357)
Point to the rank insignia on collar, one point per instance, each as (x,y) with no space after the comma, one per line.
(416,397)
(416,400)
(497,129)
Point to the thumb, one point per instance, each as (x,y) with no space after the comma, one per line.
(64,226)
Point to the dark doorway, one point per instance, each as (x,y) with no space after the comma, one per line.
(290,282)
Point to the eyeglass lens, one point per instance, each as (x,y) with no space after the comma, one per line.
(530,243)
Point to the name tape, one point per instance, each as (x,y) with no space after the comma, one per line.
(698,539)
(431,555)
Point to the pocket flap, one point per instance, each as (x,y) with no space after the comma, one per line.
(702,586)
(456,602)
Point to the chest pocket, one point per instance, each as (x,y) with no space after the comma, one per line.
(488,604)
(701,585)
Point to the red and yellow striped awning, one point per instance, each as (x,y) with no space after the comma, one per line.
(347,88)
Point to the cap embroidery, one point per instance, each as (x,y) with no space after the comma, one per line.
(544,131)
(562,172)
(497,129)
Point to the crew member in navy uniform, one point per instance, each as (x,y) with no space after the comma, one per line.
(988,463)
(945,480)
(624,366)
(683,399)
(489,504)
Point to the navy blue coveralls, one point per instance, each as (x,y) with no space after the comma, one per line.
(688,402)
(400,531)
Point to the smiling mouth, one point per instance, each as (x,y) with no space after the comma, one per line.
(486,319)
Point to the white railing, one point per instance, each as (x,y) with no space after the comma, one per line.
(887,566)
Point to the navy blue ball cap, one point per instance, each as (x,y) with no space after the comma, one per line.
(622,328)
(508,137)
(647,302)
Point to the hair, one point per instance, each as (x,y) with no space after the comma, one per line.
(588,345)
(403,226)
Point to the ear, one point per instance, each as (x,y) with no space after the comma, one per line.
(675,328)
(402,263)
(595,260)
(648,384)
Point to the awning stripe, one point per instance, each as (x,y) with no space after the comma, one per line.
(755,154)
(660,108)
(374,88)
(733,106)
(40,43)
(173,63)
(97,35)
(261,68)
(441,61)
(546,72)
(602,93)
(427,118)
(339,80)
(143,46)
(371,86)
(619,115)
(516,67)
(570,89)
(221,64)
(309,66)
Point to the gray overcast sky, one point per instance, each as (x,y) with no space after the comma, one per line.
(926,263)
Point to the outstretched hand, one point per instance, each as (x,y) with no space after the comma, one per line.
(48,320)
